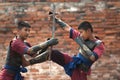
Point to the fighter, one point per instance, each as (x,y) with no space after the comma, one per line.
(91,49)
(15,60)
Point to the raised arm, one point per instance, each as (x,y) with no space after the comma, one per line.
(61,23)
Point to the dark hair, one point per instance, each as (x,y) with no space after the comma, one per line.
(22,24)
(85,26)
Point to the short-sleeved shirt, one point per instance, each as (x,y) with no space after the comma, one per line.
(14,58)
(19,46)
(78,74)
(16,50)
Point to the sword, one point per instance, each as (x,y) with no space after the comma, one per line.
(53,27)
(53,33)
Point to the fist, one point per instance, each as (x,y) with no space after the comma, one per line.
(51,15)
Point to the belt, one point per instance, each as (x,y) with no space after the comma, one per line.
(17,70)
(85,64)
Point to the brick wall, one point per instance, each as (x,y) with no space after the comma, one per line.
(104,16)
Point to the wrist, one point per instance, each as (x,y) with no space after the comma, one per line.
(60,22)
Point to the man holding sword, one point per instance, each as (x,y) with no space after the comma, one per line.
(91,48)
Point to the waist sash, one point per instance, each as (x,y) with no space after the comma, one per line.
(17,70)
(77,60)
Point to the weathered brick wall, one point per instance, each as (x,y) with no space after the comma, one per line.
(104,16)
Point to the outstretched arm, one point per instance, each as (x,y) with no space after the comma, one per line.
(38,59)
(61,23)
(36,48)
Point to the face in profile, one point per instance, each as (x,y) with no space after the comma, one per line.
(84,33)
(24,33)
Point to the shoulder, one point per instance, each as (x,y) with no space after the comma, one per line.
(98,42)
(74,32)
(16,42)
(100,48)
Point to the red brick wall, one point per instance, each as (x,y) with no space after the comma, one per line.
(104,16)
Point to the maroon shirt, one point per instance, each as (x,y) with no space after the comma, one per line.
(99,50)
(19,46)
(77,73)
(14,58)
